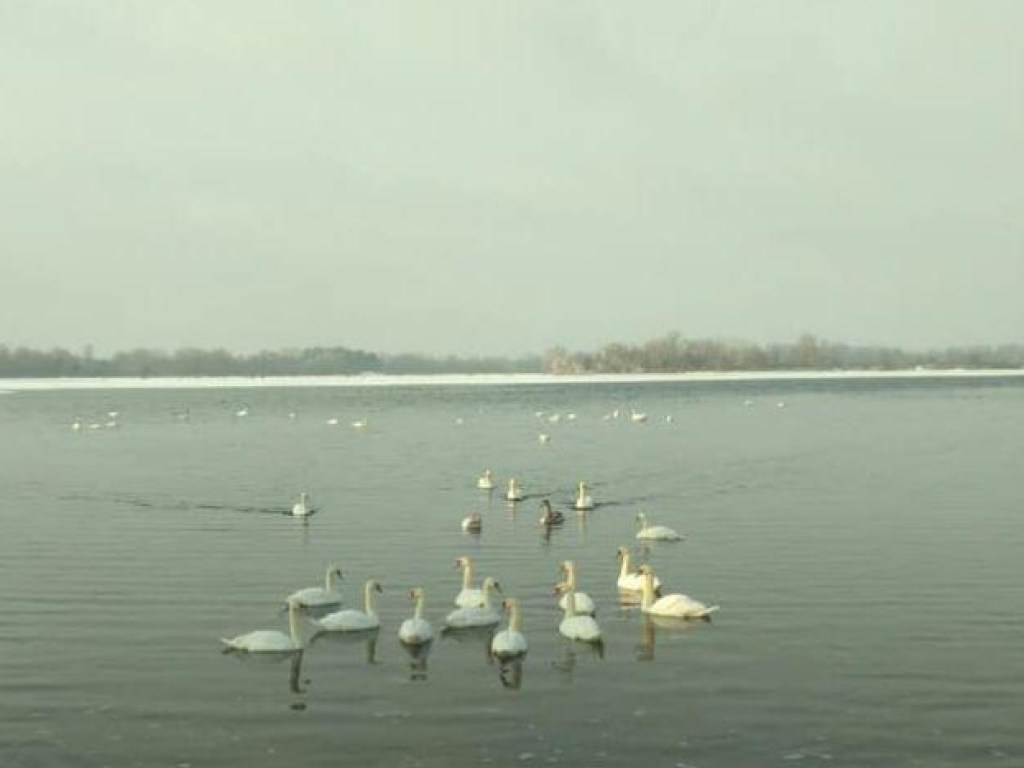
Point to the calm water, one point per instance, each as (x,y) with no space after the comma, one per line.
(864,541)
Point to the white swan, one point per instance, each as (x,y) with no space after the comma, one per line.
(583,500)
(629,580)
(513,493)
(352,620)
(582,602)
(655,532)
(544,437)
(676,605)
(485,482)
(477,615)
(473,523)
(511,642)
(637,418)
(469,596)
(360,424)
(272,640)
(417,630)
(578,627)
(318,597)
(303,507)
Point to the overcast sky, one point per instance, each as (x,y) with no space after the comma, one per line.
(500,177)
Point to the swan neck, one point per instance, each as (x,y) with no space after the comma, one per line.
(368,599)
(418,613)
(624,570)
(515,622)
(648,595)
(467,574)
(294,625)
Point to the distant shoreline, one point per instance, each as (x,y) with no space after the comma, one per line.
(484,379)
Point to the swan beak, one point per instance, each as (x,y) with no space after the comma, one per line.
(378,588)
(497,586)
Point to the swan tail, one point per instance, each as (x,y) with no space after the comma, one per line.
(707,614)
(229,646)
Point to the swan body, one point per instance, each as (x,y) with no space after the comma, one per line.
(485,482)
(655,532)
(270,640)
(676,605)
(578,627)
(582,602)
(632,581)
(318,597)
(417,630)
(473,523)
(353,620)
(303,507)
(583,500)
(513,493)
(477,615)
(469,596)
(550,516)
(510,642)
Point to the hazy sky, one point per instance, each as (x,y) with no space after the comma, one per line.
(499,177)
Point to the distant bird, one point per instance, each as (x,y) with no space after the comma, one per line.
(550,516)
(473,523)
(583,500)
(655,532)
(303,507)
(637,418)
(360,424)
(544,437)
(485,482)
(243,411)
(333,421)
(513,493)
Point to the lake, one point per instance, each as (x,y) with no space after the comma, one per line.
(863,538)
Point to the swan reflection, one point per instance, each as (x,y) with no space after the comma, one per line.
(649,628)
(367,637)
(418,655)
(471,636)
(510,672)
(297,685)
(566,666)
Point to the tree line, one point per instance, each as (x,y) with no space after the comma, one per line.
(22,362)
(675,354)
(668,354)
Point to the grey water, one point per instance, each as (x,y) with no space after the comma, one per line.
(864,540)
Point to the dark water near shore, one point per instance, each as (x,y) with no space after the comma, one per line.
(865,543)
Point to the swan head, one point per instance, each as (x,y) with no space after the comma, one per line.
(374,586)
(461,562)
(416,593)
(641,517)
(645,570)
(490,583)
(335,571)
(621,552)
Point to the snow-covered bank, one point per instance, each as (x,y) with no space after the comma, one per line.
(373,380)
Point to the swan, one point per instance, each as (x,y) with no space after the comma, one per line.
(332,422)
(510,642)
(242,412)
(318,597)
(550,516)
(473,523)
(352,620)
(360,424)
(632,581)
(469,596)
(637,418)
(485,482)
(303,507)
(582,601)
(417,630)
(577,627)
(675,605)
(544,437)
(476,615)
(583,500)
(655,532)
(513,493)
(272,640)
